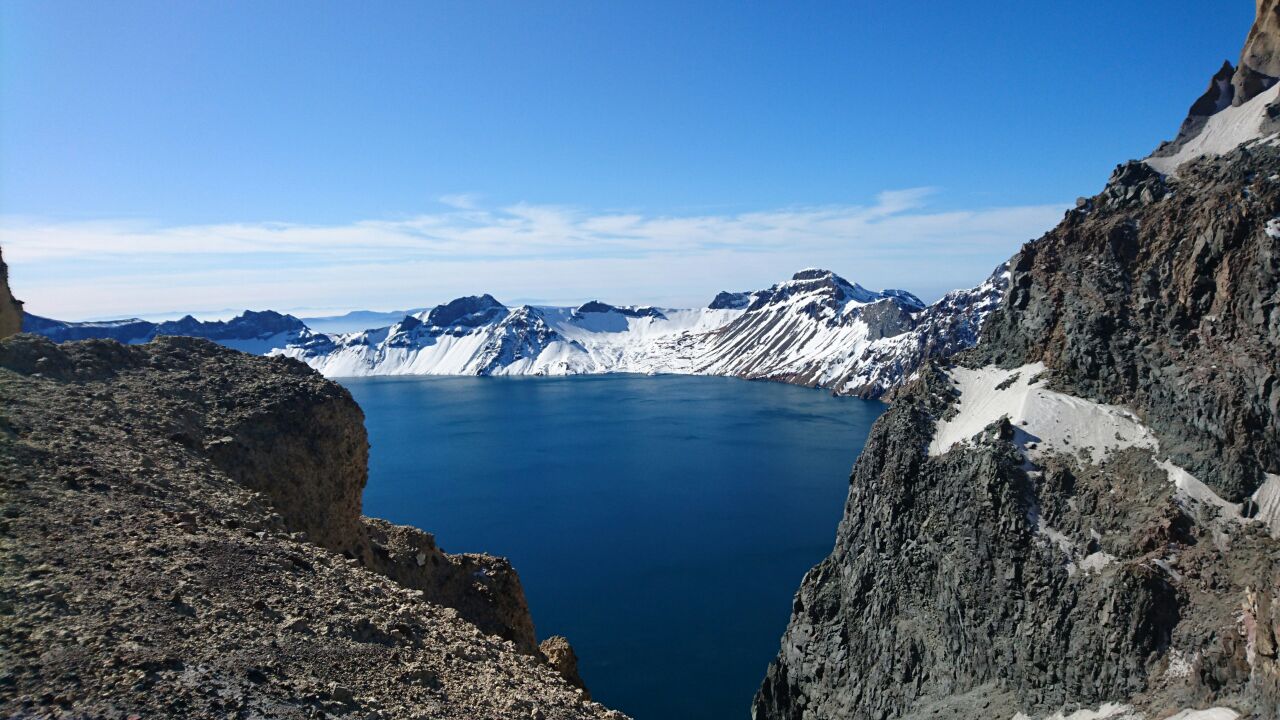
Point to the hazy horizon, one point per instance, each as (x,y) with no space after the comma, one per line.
(165,158)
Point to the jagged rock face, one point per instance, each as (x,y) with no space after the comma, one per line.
(972,583)
(1166,298)
(10,308)
(183,535)
(947,596)
(1260,62)
(1217,98)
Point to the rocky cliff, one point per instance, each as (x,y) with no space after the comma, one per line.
(1240,103)
(1259,67)
(182,537)
(1001,575)
(1083,512)
(10,308)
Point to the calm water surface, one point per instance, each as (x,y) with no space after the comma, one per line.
(662,524)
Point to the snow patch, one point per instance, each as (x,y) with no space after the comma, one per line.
(1267,499)
(1046,420)
(1107,711)
(1190,489)
(1222,133)
(1096,561)
(1219,713)
(1120,711)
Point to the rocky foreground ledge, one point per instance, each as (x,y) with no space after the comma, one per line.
(180,536)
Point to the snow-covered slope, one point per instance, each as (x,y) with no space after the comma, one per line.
(1224,131)
(815,329)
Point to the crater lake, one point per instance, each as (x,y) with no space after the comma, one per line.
(660,523)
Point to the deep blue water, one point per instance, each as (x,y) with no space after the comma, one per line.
(662,524)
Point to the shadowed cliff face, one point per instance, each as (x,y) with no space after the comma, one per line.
(10,308)
(183,537)
(974,584)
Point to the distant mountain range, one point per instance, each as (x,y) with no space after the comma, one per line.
(816,329)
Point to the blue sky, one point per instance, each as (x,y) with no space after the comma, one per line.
(171,156)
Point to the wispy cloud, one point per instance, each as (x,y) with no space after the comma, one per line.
(556,253)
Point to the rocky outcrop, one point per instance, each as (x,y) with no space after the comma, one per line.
(1166,298)
(1217,98)
(182,537)
(1231,111)
(10,308)
(991,576)
(1260,62)
(560,655)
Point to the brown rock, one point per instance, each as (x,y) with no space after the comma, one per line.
(560,654)
(1260,62)
(10,308)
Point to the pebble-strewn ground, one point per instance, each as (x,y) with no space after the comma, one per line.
(137,578)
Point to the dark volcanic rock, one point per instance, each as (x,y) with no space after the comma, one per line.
(973,584)
(595,306)
(730,301)
(941,585)
(182,538)
(1166,299)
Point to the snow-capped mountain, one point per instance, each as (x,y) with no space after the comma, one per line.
(816,329)
(251,332)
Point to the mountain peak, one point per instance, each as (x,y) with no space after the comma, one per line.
(827,282)
(595,306)
(726,300)
(1260,60)
(1240,105)
(469,311)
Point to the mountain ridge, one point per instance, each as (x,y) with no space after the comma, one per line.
(815,329)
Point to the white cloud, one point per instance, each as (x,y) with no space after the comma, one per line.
(553,253)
